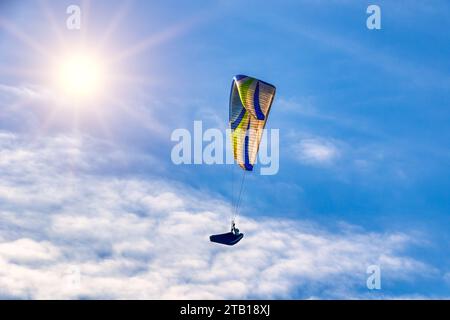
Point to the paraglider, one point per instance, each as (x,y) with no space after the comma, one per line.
(229,238)
(250,103)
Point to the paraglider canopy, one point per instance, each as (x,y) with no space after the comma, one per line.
(250,103)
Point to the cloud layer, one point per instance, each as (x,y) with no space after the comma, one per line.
(317,151)
(67,231)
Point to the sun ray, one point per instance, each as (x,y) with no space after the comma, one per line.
(144,121)
(160,37)
(86,10)
(9,27)
(10,108)
(24,104)
(120,14)
(127,79)
(45,8)
(24,71)
(100,119)
(47,121)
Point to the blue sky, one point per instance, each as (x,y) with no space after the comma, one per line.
(364,159)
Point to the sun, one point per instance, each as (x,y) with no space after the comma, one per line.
(80,75)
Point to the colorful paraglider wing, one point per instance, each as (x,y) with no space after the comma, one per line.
(250,103)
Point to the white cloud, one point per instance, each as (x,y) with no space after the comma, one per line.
(137,237)
(317,151)
(447,277)
(30,92)
(27,250)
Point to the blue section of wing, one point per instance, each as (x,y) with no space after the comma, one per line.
(258,111)
(239,77)
(230,106)
(247,165)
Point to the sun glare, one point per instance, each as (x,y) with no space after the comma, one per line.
(80,75)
